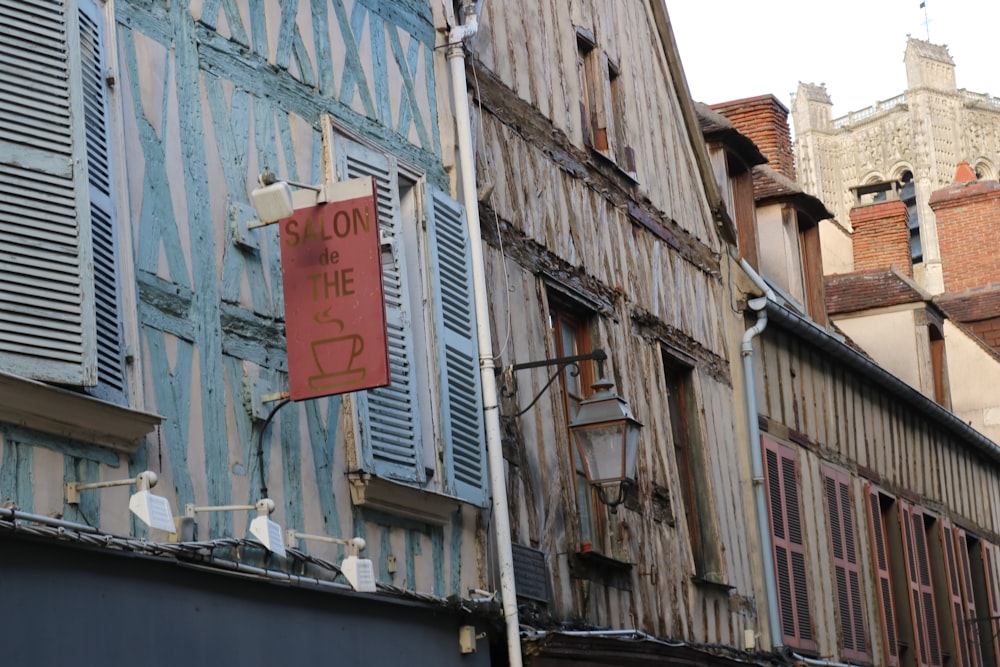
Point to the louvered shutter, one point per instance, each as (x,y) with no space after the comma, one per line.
(854,643)
(956,571)
(881,561)
(458,349)
(968,597)
(989,633)
(787,544)
(47,324)
(923,612)
(110,361)
(387,416)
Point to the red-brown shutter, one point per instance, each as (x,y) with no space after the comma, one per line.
(881,558)
(955,574)
(918,573)
(853,639)
(788,548)
(968,597)
(989,632)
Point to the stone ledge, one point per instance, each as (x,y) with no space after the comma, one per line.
(61,412)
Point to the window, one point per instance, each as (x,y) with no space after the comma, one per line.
(435,395)
(692,471)
(788,548)
(939,369)
(908,195)
(812,274)
(878,513)
(982,594)
(847,575)
(571,336)
(906,571)
(955,594)
(602,103)
(59,303)
(919,585)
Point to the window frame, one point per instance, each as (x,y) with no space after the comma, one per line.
(579,322)
(417,437)
(686,436)
(602,103)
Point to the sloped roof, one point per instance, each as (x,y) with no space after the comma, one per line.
(980,303)
(716,127)
(864,290)
(926,49)
(771,185)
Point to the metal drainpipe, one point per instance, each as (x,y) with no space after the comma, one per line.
(491,410)
(753,429)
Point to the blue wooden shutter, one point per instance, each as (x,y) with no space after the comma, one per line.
(458,347)
(387,416)
(110,362)
(47,324)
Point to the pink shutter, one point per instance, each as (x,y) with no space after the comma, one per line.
(922,608)
(881,557)
(954,574)
(990,632)
(847,576)
(787,545)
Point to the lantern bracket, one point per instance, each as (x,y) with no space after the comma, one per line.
(598,355)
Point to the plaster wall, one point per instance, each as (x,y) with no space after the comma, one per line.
(974,380)
(898,352)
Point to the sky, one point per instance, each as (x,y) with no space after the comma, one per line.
(742,48)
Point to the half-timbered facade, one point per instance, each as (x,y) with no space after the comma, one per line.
(600,234)
(143,329)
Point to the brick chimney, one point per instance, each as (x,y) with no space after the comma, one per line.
(765,120)
(881,237)
(968,227)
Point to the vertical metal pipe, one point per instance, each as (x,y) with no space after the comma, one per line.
(491,409)
(756,458)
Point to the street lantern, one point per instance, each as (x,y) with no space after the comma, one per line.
(607,436)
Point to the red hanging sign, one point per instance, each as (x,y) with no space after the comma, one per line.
(331,267)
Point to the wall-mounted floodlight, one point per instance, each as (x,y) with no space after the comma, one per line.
(262,528)
(273,200)
(152,510)
(359,572)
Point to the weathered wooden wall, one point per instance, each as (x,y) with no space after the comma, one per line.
(531,48)
(835,416)
(854,423)
(645,258)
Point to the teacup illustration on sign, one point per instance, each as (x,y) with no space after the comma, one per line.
(335,356)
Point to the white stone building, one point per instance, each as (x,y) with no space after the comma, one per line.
(905,146)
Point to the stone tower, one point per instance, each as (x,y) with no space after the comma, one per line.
(915,139)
